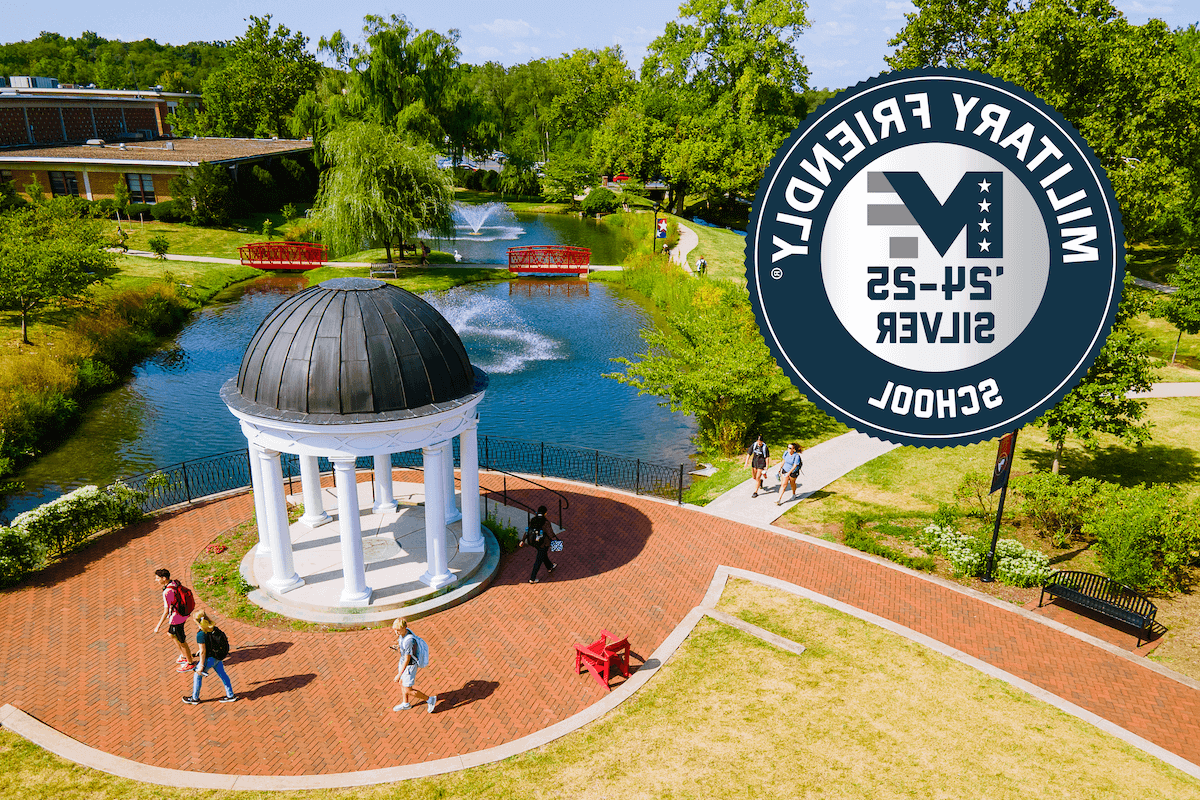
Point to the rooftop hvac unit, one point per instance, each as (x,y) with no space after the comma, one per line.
(29,82)
(146,133)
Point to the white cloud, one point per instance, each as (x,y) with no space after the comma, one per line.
(524,51)
(897,10)
(487,53)
(508,29)
(835,28)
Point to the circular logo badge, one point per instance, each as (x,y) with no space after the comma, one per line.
(935,257)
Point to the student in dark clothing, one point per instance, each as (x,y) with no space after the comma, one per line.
(538,536)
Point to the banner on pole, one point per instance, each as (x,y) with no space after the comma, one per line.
(1004,458)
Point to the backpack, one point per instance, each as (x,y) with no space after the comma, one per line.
(421,656)
(185,601)
(535,534)
(216,644)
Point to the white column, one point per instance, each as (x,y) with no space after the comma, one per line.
(310,483)
(260,512)
(468,467)
(385,499)
(283,577)
(452,512)
(437,573)
(355,591)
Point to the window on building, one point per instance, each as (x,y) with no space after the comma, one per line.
(63,183)
(141,187)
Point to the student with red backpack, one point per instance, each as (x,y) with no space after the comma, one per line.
(178,603)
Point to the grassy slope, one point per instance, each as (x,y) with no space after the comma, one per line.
(767,723)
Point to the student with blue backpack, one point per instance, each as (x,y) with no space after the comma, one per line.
(414,653)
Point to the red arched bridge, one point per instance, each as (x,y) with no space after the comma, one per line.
(283,255)
(549,260)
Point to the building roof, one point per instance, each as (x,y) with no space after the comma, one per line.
(159,152)
(353,350)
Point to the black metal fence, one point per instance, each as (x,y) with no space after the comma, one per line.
(201,477)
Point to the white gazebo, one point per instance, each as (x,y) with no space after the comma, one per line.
(357,367)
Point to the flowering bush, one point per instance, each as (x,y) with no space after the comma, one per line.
(19,555)
(1016,565)
(63,523)
(965,553)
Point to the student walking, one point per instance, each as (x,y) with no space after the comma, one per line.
(214,648)
(177,604)
(539,535)
(414,653)
(789,470)
(757,459)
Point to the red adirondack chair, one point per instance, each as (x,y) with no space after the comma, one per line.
(602,655)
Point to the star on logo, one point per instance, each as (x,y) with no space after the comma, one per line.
(985,226)
(984,186)
(984,205)
(985,246)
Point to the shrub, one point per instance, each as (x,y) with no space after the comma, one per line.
(1057,505)
(290,211)
(159,246)
(946,516)
(855,535)
(139,211)
(1017,565)
(490,181)
(474,180)
(1147,537)
(600,201)
(507,536)
(975,491)
(302,230)
(104,209)
(71,519)
(166,211)
(19,555)
(965,553)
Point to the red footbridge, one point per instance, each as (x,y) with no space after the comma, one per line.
(283,255)
(549,260)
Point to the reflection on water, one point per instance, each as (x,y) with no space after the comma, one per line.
(545,344)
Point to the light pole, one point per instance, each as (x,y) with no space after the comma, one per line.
(654,229)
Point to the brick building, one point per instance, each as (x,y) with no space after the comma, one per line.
(81,142)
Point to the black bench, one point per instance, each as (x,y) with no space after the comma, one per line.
(1104,596)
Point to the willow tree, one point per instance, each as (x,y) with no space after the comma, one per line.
(379,189)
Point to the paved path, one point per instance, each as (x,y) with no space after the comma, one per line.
(823,464)
(1183,389)
(688,241)
(79,654)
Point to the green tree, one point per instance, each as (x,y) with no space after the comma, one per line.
(728,79)
(379,189)
(590,84)
(159,245)
(205,193)
(1132,91)
(710,361)
(1181,308)
(1100,403)
(48,254)
(254,93)
(567,174)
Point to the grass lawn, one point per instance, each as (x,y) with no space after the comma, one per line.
(1162,336)
(725,252)
(206,279)
(1155,261)
(191,240)
(414,279)
(862,713)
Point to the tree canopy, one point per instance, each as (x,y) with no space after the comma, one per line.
(1132,91)
(379,189)
(49,254)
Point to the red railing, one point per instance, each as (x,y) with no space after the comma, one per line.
(283,255)
(546,259)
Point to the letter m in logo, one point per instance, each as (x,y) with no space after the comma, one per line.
(977,204)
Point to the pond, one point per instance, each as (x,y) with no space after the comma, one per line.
(483,234)
(546,344)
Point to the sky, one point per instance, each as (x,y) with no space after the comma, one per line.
(846,43)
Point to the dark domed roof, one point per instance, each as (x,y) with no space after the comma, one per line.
(354,346)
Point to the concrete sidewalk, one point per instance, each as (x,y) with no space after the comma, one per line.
(823,464)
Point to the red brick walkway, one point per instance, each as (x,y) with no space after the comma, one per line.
(78,651)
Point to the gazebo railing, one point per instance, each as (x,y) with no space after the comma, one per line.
(200,477)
